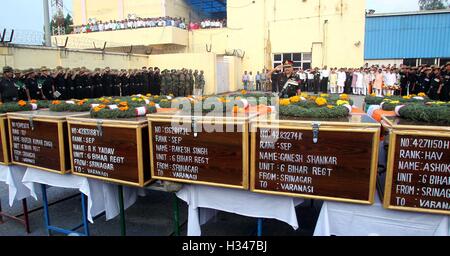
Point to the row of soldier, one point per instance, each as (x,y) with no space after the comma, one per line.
(81,83)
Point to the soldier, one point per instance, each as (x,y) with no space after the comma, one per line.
(196,83)
(78,79)
(32,87)
(70,83)
(125,85)
(19,82)
(156,82)
(8,91)
(46,81)
(107,82)
(169,82)
(59,83)
(202,82)
(150,85)
(175,83)
(117,83)
(445,88)
(164,89)
(191,83)
(181,83)
(145,88)
(96,77)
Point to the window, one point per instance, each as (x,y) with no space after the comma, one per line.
(410,62)
(301,60)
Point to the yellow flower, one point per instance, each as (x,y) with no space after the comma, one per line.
(97,109)
(395,102)
(304,95)
(156,96)
(152,104)
(330,107)
(243,92)
(389,95)
(101,99)
(295,99)
(123,108)
(285,102)
(149,95)
(123,104)
(406,97)
(421,94)
(345,96)
(321,101)
(117,100)
(342,102)
(373,94)
(134,99)
(324,95)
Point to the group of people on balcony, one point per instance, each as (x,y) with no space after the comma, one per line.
(134,23)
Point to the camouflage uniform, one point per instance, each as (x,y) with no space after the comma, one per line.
(182,84)
(169,82)
(164,88)
(175,83)
(191,83)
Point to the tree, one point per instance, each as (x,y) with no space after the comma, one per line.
(433,4)
(68,21)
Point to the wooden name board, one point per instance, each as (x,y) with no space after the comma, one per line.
(5,157)
(39,139)
(418,170)
(327,160)
(112,150)
(216,157)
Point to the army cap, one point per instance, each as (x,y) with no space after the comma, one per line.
(44,68)
(17,71)
(447,64)
(7,69)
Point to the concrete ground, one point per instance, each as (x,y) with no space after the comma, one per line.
(150,216)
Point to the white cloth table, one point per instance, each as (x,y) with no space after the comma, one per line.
(342,219)
(12,175)
(236,201)
(102,196)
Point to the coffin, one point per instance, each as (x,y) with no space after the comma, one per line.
(328,159)
(418,168)
(39,139)
(204,150)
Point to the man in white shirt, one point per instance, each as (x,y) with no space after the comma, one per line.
(324,78)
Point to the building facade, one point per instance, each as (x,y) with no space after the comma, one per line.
(259,33)
(413,38)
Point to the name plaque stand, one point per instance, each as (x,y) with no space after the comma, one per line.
(39,139)
(418,168)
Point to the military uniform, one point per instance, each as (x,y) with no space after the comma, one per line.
(8,90)
(97,84)
(19,82)
(33,88)
(61,86)
(107,83)
(181,84)
(164,89)
(46,83)
(169,82)
(124,82)
(191,83)
(201,81)
(445,91)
